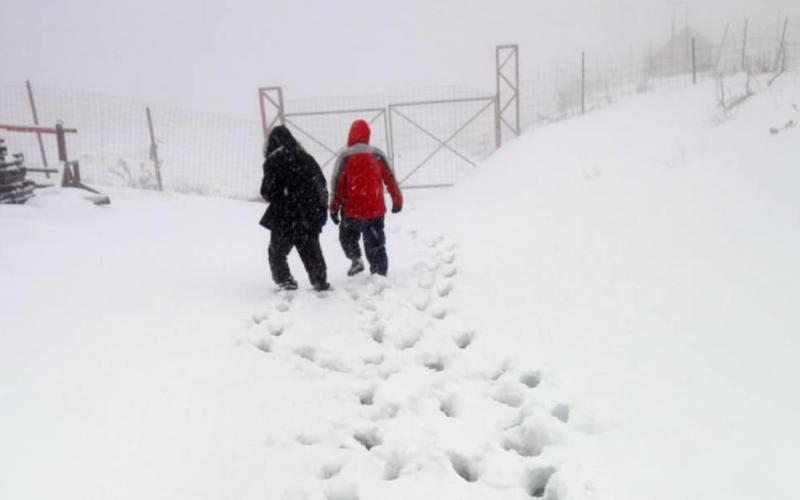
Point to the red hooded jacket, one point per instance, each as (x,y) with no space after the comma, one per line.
(359,177)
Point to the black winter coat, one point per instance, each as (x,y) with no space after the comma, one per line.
(294,187)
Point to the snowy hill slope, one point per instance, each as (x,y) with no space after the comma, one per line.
(607,309)
(647,256)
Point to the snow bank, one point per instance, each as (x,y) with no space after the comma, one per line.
(646,257)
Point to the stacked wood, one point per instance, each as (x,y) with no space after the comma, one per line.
(14,188)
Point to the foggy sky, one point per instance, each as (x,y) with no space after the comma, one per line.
(213,55)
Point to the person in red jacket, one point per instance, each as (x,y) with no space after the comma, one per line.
(357,184)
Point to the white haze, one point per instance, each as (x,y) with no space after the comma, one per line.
(213,55)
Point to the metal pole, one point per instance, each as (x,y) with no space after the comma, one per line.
(744,45)
(391,133)
(263,113)
(154,149)
(61,140)
(498,135)
(781,47)
(516,82)
(67,178)
(583,83)
(687,35)
(388,132)
(281,111)
(36,122)
(694,63)
(721,45)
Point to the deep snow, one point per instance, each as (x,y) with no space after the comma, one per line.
(606,309)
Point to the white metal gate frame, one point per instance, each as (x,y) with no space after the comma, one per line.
(332,150)
(395,109)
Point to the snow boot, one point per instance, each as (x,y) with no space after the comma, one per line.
(322,287)
(288,285)
(356,267)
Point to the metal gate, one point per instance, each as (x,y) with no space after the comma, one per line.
(433,140)
(322,133)
(430,142)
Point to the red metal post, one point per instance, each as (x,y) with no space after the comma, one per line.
(36,122)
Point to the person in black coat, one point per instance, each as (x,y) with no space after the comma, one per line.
(295,189)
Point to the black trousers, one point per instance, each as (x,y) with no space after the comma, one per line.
(350,232)
(280,244)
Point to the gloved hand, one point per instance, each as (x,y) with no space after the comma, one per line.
(335,217)
(396,208)
(323,218)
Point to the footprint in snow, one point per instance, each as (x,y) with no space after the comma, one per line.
(264,344)
(331,469)
(448,258)
(531,378)
(464,339)
(421,301)
(408,340)
(366,397)
(561,412)
(449,271)
(466,468)
(510,393)
(445,289)
(276,327)
(375,358)
(434,361)
(449,405)
(259,318)
(368,438)
(306,352)
(426,281)
(536,483)
(438,311)
(376,330)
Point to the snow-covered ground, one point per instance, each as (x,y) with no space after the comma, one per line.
(607,309)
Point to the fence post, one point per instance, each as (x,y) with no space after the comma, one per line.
(67,177)
(781,48)
(154,149)
(583,83)
(744,45)
(387,129)
(498,135)
(721,46)
(391,133)
(694,64)
(36,122)
(516,81)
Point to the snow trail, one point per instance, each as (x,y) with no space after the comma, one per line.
(416,397)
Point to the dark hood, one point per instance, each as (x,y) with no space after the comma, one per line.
(280,136)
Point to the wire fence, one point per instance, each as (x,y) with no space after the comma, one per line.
(433,134)
(589,83)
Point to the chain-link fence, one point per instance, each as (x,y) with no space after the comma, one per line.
(432,134)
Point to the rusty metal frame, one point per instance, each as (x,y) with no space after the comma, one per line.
(334,151)
(71,176)
(273,96)
(507,90)
(35,114)
(443,143)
